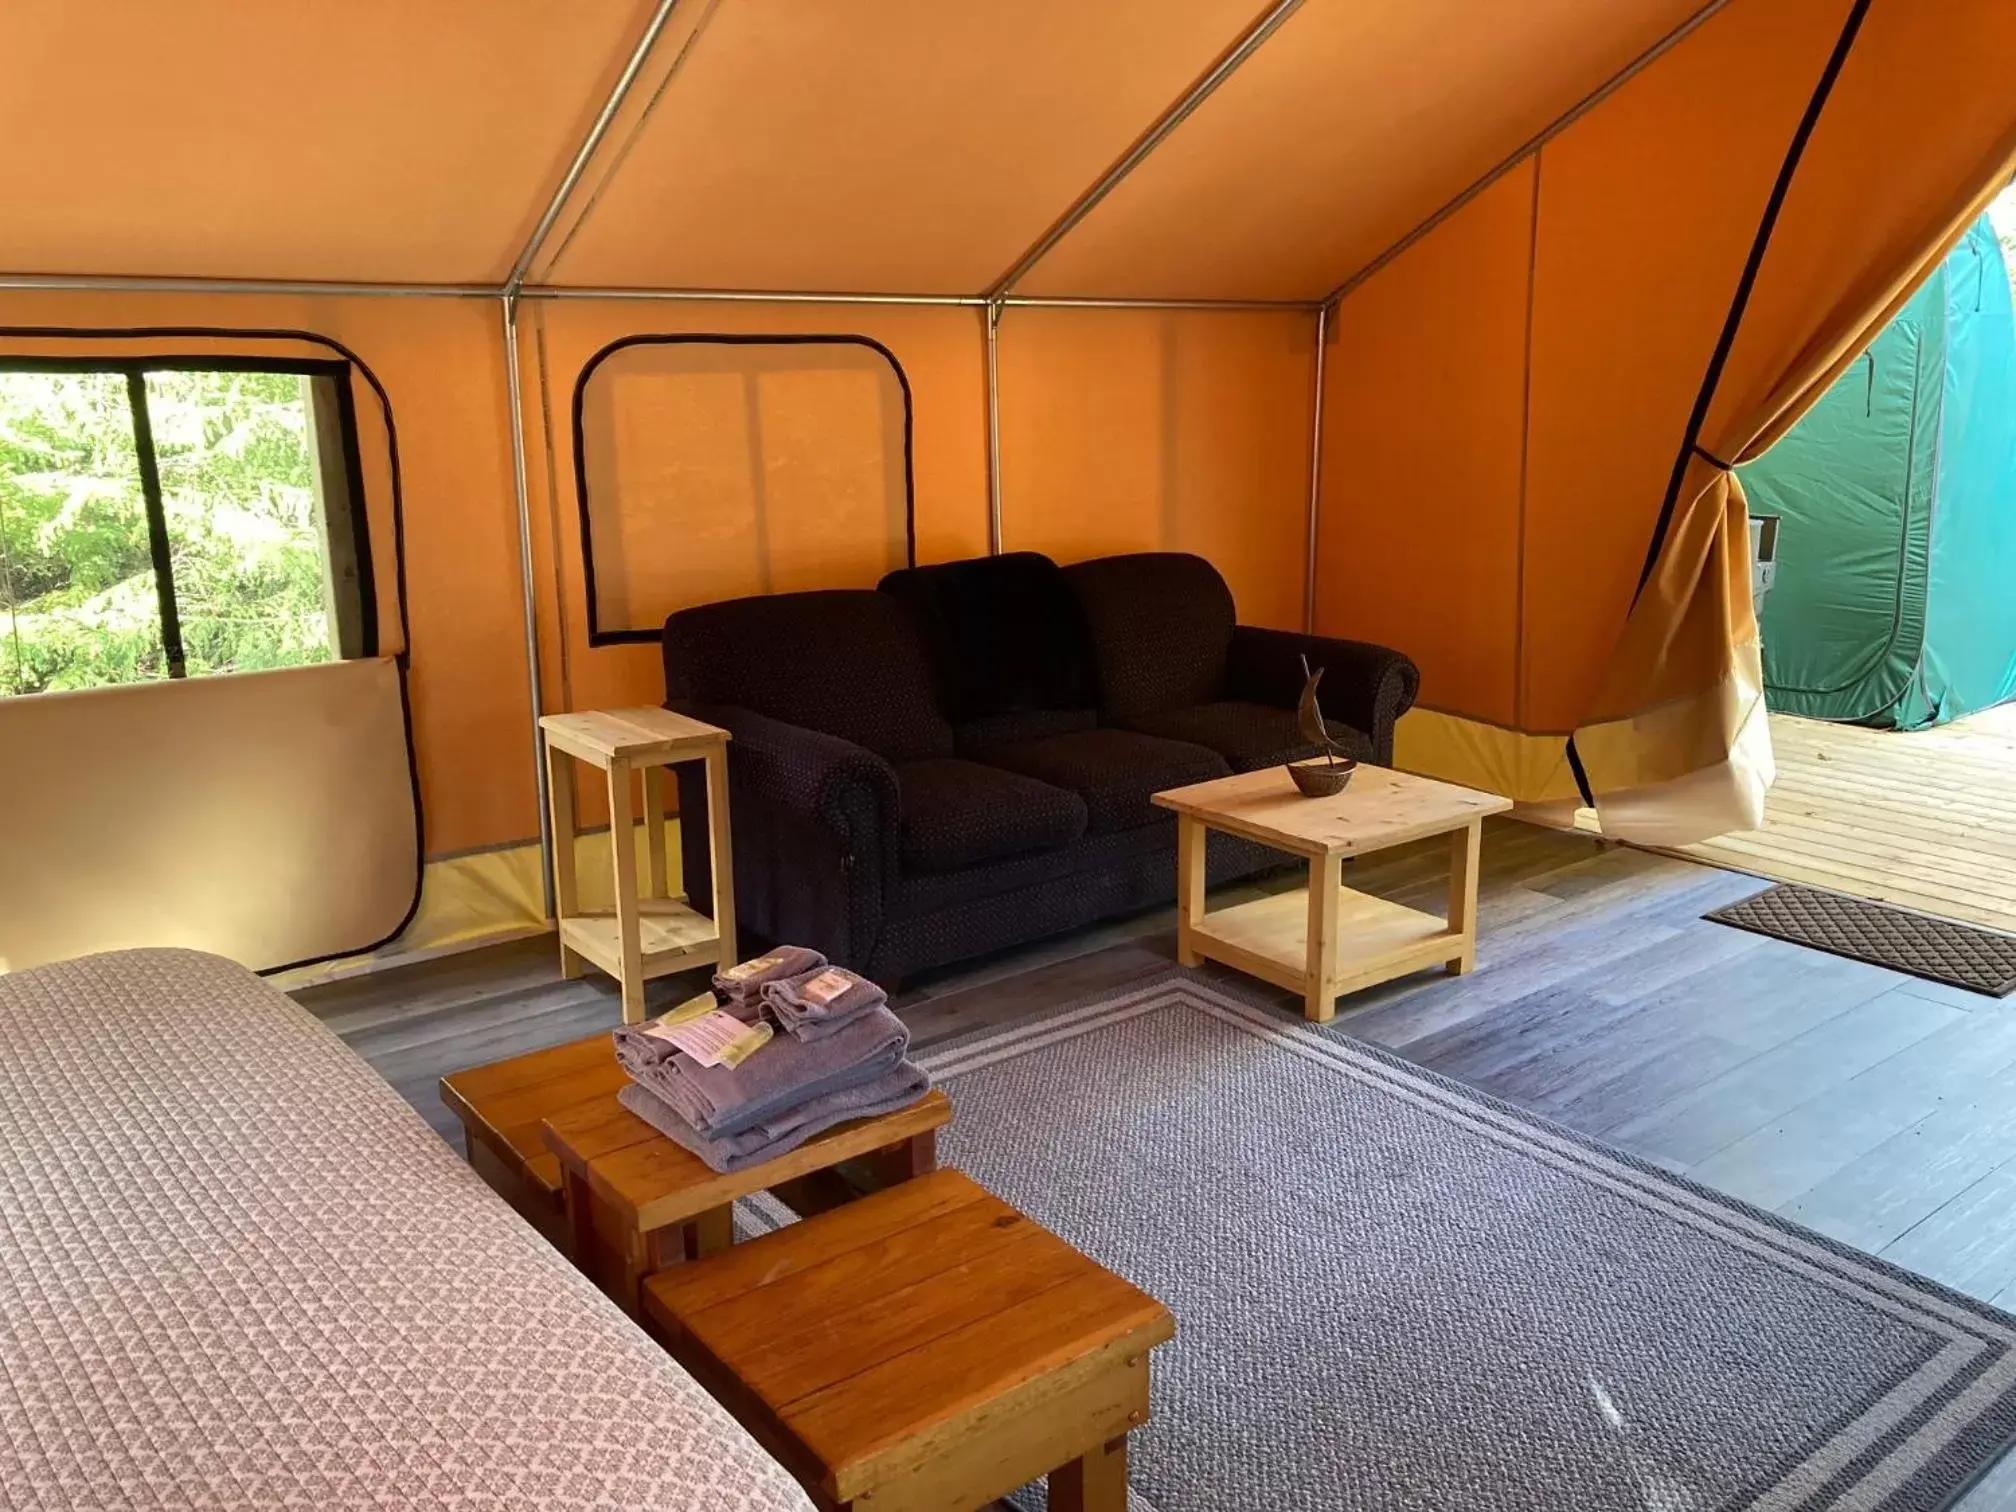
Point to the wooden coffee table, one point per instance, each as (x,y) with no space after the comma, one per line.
(925,1349)
(1325,939)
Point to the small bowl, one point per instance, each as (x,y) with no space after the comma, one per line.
(1321,779)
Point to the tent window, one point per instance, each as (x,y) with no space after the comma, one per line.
(714,467)
(162,519)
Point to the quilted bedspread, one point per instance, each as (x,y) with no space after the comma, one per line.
(237,1271)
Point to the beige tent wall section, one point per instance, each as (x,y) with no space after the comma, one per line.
(1163,430)
(1350,127)
(1217,463)
(1419,538)
(267,817)
(713,467)
(1236,387)
(941,355)
(1507,396)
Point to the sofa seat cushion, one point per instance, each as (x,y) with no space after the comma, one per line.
(1116,772)
(1248,735)
(958,814)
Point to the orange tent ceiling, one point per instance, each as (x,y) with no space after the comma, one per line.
(895,146)
(370,140)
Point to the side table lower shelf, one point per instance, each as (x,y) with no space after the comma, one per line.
(673,936)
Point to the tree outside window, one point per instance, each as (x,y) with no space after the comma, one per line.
(244,526)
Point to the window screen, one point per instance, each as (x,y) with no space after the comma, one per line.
(716,467)
(163,520)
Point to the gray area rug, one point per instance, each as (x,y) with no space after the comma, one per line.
(1940,950)
(1395,1293)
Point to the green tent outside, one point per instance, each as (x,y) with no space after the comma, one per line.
(1895,596)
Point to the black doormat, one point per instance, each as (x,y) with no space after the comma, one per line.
(1939,950)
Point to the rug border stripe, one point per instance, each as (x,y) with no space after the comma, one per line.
(1912,1412)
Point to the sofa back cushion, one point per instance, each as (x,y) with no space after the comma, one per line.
(1161,625)
(1006,638)
(844,661)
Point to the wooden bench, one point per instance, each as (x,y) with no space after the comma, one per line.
(502,1107)
(637,1201)
(925,1349)
(547,1132)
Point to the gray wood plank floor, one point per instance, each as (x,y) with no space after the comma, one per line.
(1873,1107)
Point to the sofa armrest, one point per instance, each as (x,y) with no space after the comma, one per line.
(815,822)
(1365,686)
(815,775)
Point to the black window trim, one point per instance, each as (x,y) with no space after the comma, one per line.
(597,636)
(346,360)
(135,370)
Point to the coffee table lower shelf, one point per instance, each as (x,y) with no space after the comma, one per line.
(1375,941)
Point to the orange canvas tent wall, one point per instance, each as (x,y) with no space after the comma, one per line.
(1433,325)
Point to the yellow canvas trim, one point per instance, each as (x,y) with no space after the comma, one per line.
(1691,768)
(1530,769)
(488,897)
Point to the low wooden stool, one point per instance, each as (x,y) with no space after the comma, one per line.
(502,1106)
(630,1191)
(926,1349)
(647,934)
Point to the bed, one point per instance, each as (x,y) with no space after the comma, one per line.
(236,1270)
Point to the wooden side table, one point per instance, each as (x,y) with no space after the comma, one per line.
(1328,939)
(630,1191)
(649,934)
(925,1349)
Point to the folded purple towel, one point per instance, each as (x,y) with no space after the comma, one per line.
(723,1100)
(813,1005)
(744,982)
(636,1049)
(895,1088)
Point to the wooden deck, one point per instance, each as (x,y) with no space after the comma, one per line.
(1925,819)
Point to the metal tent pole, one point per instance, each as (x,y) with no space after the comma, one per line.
(1132,158)
(515,389)
(590,143)
(116,283)
(753,296)
(926,301)
(993,319)
(1315,470)
(520,474)
(1101,302)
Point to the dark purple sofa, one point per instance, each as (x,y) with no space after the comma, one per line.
(962,759)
